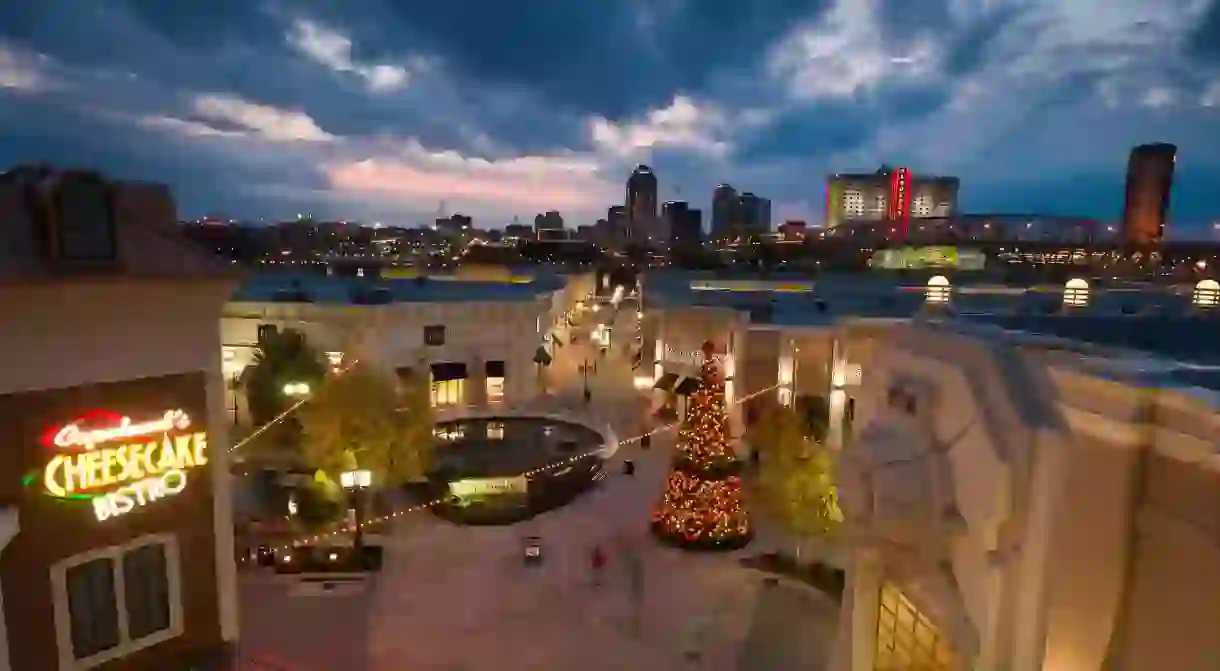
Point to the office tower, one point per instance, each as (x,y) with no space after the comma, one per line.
(642,204)
(755,215)
(549,221)
(1149,181)
(889,194)
(620,228)
(685,224)
(724,211)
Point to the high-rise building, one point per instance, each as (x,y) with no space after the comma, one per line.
(755,215)
(889,194)
(642,204)
(549,221)
(619,223)
(685,224)
(1149,181)
(724,211)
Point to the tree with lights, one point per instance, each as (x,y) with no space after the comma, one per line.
(796,482)
(363,418)
(703,507)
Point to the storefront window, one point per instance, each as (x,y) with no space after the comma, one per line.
(495,389)
(906,639)
(448,392)
(101,626)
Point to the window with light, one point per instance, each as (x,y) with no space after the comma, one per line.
(448,392)
(495,389)
(907,639)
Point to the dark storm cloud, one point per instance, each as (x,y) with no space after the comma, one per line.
(811,133)
(1205,40)
(597,57)
(967,51)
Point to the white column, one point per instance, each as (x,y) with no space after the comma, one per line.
(10,525)
(864,581)
(837,398)
(222,505)
(786,376)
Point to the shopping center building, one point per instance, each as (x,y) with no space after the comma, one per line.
(1017,497)
(116,530)
(479,339)
(1023,502)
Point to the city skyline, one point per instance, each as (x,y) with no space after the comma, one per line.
(261,111)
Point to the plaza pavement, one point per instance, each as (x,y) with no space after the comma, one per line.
(459,598)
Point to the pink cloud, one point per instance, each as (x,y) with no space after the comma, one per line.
(530,184)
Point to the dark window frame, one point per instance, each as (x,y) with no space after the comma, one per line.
(431,337)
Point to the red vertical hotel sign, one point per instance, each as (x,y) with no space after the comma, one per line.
(900,200)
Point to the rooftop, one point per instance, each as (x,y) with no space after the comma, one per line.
(1155,319)
(336,290)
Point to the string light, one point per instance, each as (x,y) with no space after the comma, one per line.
(702,506)
(284,415)
(306,540)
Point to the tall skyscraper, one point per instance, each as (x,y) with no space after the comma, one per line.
(724,211)
(685,224)
(755,217)
(620,224)
(1149,181)
(642,204)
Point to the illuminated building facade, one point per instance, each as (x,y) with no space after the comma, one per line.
(434,326)
(115,517)
(1149,182)
(895,195)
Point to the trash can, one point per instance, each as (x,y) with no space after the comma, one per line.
(628,467)
(646,441)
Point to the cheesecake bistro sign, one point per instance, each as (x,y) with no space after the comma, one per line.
(119,464)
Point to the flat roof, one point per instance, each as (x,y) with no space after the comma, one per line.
(340,290)
(1155,319)
(1144,368)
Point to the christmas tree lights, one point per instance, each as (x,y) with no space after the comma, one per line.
(702,507)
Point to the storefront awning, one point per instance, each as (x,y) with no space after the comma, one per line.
(541,357)
(448,370)
(494,369)
(687,386)
(667,382)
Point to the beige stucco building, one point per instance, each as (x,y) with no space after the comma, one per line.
(1020,503)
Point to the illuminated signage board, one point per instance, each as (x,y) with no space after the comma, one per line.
(900,198)
(119,464)
(489,486)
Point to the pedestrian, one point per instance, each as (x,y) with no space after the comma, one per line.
(597,561)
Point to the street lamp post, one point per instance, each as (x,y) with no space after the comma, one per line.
(355,483)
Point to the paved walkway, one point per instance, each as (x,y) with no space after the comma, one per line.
(459,598)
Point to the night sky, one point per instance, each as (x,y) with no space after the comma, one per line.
(381,109)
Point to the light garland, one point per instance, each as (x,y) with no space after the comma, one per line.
(306,540)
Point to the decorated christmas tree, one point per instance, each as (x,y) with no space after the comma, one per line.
(702,507)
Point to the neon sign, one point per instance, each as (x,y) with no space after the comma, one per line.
(121,465)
